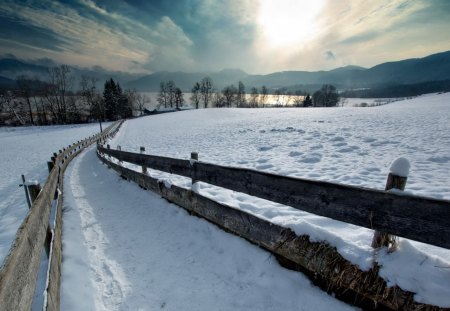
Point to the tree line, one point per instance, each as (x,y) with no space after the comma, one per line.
(55,100)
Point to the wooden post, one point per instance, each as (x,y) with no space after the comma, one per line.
(50,165)
(26,191)
(381,239)
(194,157)
(34,191)
(144,168)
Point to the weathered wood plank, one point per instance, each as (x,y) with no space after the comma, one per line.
(169,165)
(417,218)
(320,261)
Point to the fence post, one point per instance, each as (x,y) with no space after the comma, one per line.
(396,179)
(194,157)
(34,191)
(26,191)
(144,168)
(50,165)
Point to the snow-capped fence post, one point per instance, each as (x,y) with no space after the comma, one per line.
(397,178)
(142,151)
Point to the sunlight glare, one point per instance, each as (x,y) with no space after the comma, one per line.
(286,23)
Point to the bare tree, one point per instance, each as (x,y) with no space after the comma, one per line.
(218,100)
(88,91)
(206,91)
(195,94)
(230,93)
(163,95)
(240,96)
(171,89)
(60,83)
(179,98)
(141,100)
(264,96)
(254,94)
(26,89)
(15,108)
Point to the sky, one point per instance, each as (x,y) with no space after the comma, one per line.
(257,36)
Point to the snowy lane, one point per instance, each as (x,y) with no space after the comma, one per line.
(128,249)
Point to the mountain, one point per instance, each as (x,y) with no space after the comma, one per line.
(11,68)
(435,67)
(6,83)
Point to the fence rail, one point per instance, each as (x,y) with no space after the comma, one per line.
(417,218)
(19,270)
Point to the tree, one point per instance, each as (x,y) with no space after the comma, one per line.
(278,94)
(110,100)
(170,89)
(124,106)
(240,96)
(25,88)
(163,95)
(307,102)
(87,85)
(60,83)
(327,96)
(229,94)
(195,94)
(206,90)
(179,98)
(264,96)
(138,101)
(218,100)
(254,94)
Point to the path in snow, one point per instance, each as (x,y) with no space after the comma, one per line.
(128,249)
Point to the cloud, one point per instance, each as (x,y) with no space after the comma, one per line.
(329,55)
(199,35)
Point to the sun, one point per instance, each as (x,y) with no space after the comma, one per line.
(285,23)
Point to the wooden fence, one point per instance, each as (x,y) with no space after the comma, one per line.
(411,217)
(19,271)
(417,218)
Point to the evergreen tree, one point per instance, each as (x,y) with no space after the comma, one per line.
(110,99)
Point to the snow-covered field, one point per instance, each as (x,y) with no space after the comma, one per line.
(26,150)
(347,145)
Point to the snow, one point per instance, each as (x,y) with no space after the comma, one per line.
(400,167)
(26,150)
(346,145)
(129,249)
